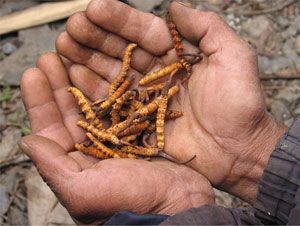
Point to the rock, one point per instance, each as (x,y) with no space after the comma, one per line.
(35,41)
(297,44)
(256,26)
(288,48)
(42,205)
(8,144)
(8,48)
(289,94)
(280,111)
(278,65)
(145,5)
(223,198)
(233,22)
(292,29)
(282,21)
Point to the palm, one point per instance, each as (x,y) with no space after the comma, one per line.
(216,115)
(215,110)
(92,190)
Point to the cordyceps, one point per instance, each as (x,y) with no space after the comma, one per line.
(133,111)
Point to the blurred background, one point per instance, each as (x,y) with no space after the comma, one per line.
(30,27)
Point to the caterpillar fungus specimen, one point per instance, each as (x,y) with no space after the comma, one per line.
(133,112)
(83,103)
(124,69)
(175,35)
(111,99)
(93,151)
(100,134)
(110,152)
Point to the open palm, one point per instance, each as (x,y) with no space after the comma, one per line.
(93,190)
(225,121)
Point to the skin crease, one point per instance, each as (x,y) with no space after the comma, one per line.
(225,121)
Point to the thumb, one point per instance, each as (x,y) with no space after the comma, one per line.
(50,158)
(205,29)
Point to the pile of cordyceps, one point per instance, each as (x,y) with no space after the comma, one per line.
(134,112)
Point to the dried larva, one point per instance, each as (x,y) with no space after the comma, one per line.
(135,128)
(149,152)
(160,121)
(108,151)
(102,147)
(134,105)
(122,99)
(100,134)
(111,99)
(175,36)
(152,106)
(116,129)
(152,152)
(160,73)
(92,151)
(121,76)
(83,103)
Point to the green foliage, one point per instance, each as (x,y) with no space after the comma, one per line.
(25,130)
(6,94)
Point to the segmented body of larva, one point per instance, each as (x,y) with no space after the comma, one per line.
(121,76)
(83,103)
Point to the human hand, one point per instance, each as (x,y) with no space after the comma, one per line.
(93,190)
(225,122)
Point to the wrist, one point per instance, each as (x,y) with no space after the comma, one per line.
(249,166)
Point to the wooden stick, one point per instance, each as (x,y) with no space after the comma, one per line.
(41,14)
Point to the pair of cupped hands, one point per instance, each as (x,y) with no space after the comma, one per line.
(225,122)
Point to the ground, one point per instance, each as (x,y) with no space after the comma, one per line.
(272,27)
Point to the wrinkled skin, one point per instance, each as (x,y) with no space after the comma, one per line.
(225,122)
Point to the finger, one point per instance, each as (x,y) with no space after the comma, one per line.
(53,67)
(104,65)
(44,115)
(53,164)
(145,29)
(92,85)
(106,42)
(205,29)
